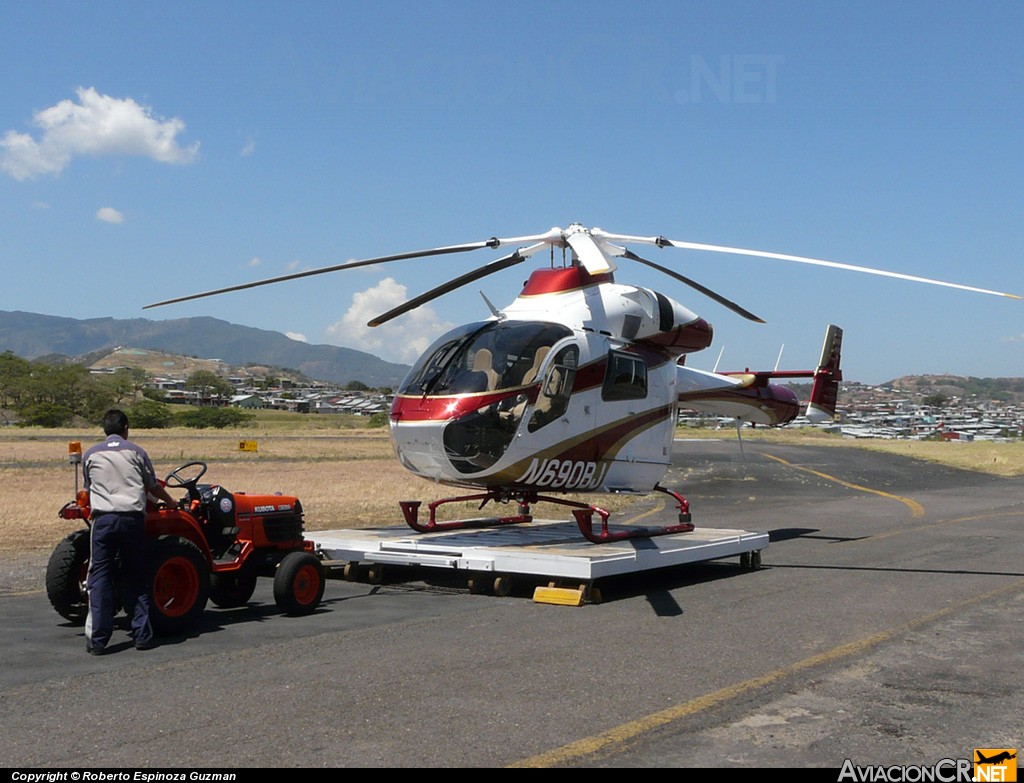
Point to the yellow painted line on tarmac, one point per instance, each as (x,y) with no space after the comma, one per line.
(617,738)
(916,508)
(658,507)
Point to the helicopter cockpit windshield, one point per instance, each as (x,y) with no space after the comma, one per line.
(485,356)
(496,359)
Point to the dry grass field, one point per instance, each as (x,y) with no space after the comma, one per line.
(344,476)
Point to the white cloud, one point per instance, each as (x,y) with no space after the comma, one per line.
(96,125)
(291,266)
(249,148)
(109,215)
(400,340)
(298,336)
(1014,338)
(255,261)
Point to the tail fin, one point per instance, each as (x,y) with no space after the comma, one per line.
(822,406)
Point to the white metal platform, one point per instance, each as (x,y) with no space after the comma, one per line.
(542,548)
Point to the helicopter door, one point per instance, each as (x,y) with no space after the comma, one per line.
(635,404)
(556,389)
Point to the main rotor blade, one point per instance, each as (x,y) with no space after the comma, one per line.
(493,242)
(694,284)
(836,265)
(505,262)
(663,242)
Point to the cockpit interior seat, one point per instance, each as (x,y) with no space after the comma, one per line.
(482,362)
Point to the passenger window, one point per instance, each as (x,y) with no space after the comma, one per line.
(625,378)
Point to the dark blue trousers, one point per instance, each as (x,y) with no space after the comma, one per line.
(116,535)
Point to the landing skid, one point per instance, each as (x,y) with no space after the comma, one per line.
(583,513)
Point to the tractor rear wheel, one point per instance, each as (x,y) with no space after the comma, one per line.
(181,585)
(299,583)
(65,577)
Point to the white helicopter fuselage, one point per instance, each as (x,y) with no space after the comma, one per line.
(572,388)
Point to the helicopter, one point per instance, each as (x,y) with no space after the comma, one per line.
(574,387)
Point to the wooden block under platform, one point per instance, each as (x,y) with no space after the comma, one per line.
(560,596)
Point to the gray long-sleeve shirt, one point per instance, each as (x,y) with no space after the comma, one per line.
(117,474)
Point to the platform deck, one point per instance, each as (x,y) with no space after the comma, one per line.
(543,548)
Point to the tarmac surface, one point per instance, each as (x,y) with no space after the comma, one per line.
(883,628)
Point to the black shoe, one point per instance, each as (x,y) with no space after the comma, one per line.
(146,644)
(95,650)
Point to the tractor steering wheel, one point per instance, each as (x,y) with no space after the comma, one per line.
(180,478)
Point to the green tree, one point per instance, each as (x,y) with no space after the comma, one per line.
(202,418)
(97,399)
(45,414)
(139,378)
(150,415)
(63,385)
(123,383)
(377,420)
(14,375)
(208,385)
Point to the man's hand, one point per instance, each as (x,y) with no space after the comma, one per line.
(162,494)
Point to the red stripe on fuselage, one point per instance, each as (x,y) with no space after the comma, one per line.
(591,375)
(444,407)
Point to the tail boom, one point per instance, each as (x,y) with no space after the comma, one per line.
(752,397)
(746,396)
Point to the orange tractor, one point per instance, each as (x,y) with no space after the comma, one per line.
(212,546)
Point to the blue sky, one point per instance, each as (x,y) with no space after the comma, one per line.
(152,150)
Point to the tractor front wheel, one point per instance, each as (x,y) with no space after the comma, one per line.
(181,585)
(299,583)
(65,577)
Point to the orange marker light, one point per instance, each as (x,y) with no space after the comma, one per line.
(75,451)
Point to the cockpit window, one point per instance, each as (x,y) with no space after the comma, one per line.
(483,357)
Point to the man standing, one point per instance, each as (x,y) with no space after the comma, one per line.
(118,474)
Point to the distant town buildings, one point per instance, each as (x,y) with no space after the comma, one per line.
(285,396)
(866,411)
(885,412)
(275,392)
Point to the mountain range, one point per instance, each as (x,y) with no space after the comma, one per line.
(32,335)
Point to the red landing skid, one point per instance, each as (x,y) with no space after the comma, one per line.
(584,515)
